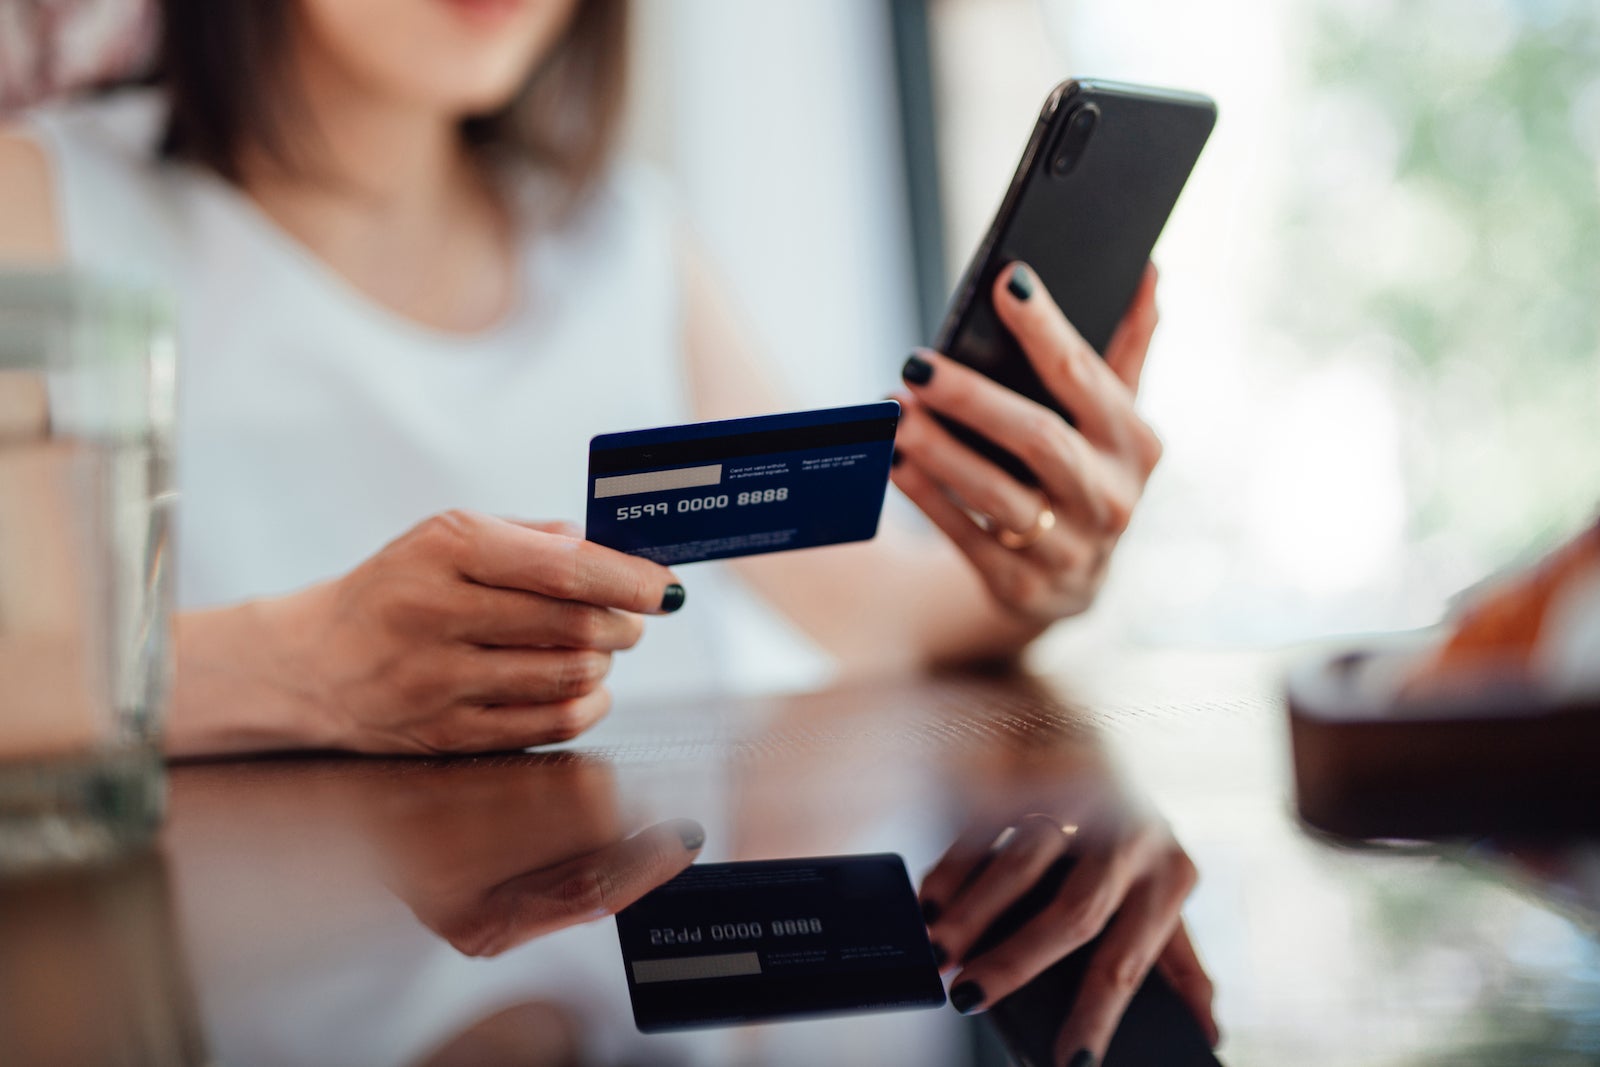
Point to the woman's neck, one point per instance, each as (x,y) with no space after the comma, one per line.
(385,193)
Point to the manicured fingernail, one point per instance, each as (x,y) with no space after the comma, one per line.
(940,956)
(692,834)
(895,459)
(931,911)
(966,996)
(1020,284)
(1081,1058)
(673,598)
(917,370)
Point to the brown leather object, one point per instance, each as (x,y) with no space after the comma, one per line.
(1504,762)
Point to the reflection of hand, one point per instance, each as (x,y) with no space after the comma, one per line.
(489,920)
(468,633)
(1129,882)
(1091,475)
(445,851)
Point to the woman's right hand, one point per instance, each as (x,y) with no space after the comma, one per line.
(468,633)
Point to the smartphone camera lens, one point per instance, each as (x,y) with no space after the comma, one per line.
(1080,126)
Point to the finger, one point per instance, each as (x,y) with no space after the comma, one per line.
(471,728)
(1015,577)
(1058,455)
(1181,966)
(942,884)
(560,527)
(511,618)
(979,484)
(1067,364)
(999,566)
(1086,902)
(493,551)
(1122,960)
(1013,869)
(582,889)
(1130,343)
(525,675)
(1084,513)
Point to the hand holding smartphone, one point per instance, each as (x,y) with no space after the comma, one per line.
(1097,181)
(1019,437)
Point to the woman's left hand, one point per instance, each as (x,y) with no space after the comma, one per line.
(1060,534)
(442,849)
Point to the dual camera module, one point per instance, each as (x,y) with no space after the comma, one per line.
(1075,134)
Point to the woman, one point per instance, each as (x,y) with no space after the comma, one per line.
(412,281)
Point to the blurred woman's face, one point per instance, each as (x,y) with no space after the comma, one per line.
(460,57)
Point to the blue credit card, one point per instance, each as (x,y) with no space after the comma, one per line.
(710,490)
(729,943)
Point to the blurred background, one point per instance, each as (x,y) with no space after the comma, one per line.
(1378,374)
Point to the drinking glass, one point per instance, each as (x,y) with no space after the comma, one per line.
(86,412)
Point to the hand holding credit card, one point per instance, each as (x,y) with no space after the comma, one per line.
(740,487)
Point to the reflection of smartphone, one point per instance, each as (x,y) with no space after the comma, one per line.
(1157,1030)
(1098,179)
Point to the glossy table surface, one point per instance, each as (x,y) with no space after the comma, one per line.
(334,910)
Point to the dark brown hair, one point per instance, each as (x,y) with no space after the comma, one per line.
(223,65)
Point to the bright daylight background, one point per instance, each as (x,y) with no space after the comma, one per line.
(1377,371)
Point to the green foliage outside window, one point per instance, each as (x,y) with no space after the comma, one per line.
(1447,227)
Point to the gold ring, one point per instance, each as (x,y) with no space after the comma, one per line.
(1069,830)
(1041,525)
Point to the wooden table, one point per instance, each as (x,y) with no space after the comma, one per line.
(326,910)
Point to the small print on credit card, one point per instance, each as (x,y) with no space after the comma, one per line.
(711,490)
(729,943)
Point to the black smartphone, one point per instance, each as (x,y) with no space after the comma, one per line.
(1156,1030)
(1101,174)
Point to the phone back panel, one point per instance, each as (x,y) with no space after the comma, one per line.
(1087,233)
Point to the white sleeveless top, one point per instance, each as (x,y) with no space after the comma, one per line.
(315,425)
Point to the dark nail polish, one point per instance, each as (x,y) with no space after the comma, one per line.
(1019,285)
(692,834)
(1081,1058)
(940,956)
(931,911)
(895,459)
(917,371)
(673,598)
(966,996)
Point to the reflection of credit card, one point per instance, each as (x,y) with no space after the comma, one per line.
(710,490)
(726,943)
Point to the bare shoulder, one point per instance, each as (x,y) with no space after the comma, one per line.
(29,231)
